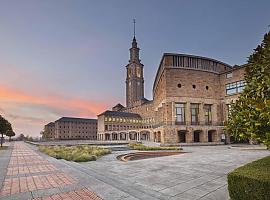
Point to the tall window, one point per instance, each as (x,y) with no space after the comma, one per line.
(235,87)
(194,107)
(207,114)
(180,113)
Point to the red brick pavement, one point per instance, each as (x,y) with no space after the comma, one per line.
(30,169)
(32,183)
(24,161)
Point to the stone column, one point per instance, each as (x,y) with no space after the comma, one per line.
(214,112)
(189,136)
(201,114)
(203,136)
(188,114)
(173,114)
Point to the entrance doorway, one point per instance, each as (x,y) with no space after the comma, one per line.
(107,136)
(210,136)
(182,136)
(196,136)
(158,136)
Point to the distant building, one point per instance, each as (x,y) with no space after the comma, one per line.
(70,128)
(120,121)
(49,130)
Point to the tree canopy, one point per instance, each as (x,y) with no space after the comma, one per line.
(249,116)
(10,133)
(5,128)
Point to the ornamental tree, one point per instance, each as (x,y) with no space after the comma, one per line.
(10,133)
(249,116)
(5,127)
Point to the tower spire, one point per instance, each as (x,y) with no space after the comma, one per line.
(134,28)
(134,42)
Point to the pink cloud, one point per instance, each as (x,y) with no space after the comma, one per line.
(32,112)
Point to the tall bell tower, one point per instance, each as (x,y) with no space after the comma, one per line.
(134,80)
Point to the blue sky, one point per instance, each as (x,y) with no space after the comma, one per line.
(68,58)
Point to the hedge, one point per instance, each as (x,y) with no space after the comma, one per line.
(251,181)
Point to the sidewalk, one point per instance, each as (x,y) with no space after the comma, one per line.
(25,174)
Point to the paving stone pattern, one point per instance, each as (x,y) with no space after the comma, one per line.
(31,175)
(30,169)
(200,173)
(84,194)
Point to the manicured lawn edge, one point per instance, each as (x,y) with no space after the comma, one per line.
(251,181)
(141,147)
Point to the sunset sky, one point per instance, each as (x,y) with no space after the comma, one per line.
(68,57)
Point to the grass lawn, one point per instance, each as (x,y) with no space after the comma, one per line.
(141,147)
(79,153)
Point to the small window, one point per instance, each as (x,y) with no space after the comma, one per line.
(179,85)
(207,87)
(229,75)
(194,86)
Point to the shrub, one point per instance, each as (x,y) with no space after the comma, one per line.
(82,158)
(251,181)
(141,147)
(80,153)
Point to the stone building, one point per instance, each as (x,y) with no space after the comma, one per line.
(191,98)
(121,122)
(68,128)
(49,130)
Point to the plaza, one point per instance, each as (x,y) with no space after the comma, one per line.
(199,173)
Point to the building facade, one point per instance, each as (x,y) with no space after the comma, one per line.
(49,130)
(70,128)
(191,98)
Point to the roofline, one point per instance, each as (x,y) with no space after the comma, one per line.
(236,68)
(102,113)
(76,118)
(118,112)
(188,55)
(194,56)
(50,123)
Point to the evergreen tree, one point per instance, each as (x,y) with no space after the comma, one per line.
(249,116)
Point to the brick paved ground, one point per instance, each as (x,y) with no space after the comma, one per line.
(30,176)
(26,174)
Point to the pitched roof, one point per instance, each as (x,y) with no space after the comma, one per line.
(74,119)
(120,114)
(50,124)
(119,105)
